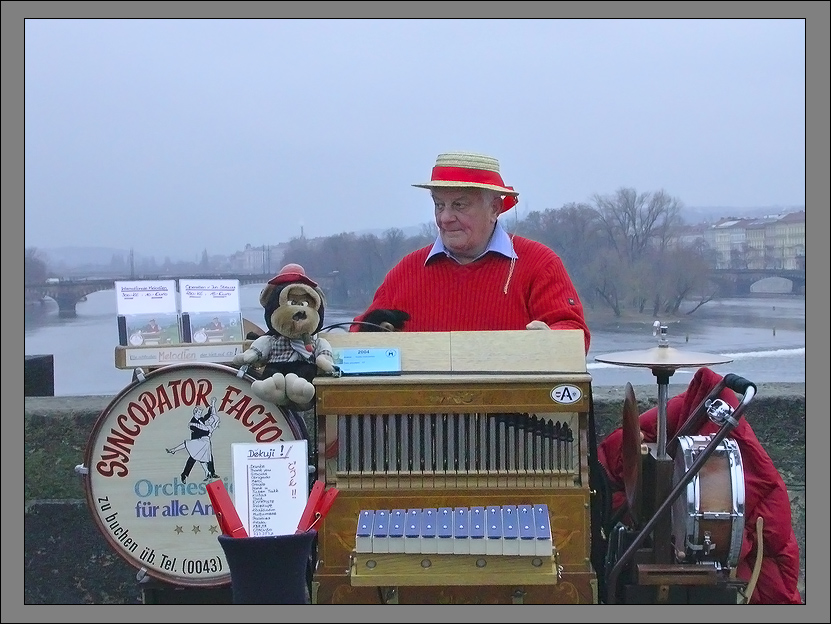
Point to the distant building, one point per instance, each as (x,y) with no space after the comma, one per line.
(773,242)
(258,260)
(693,235)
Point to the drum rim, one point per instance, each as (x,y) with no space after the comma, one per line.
(296,426)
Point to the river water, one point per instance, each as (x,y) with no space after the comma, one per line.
(763,336)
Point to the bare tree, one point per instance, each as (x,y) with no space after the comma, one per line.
(635,222)
(572,232)
(429,230)
(34,267)
(608,279)
(640,228)
(393,247)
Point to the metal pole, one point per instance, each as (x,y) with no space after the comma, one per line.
(663,376)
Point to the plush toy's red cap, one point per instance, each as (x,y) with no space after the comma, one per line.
(290,274)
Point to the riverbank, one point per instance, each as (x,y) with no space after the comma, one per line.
(689,309)
(67,560)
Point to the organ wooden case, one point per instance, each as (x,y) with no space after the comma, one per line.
(476,422)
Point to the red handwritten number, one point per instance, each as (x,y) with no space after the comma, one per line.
(293,477)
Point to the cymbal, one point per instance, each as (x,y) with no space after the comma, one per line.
(631,452)
(662,357)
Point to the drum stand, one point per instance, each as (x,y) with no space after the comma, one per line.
(655,566)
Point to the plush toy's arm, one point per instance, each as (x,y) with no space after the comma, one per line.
(324,359)
(325,363)
(257,353)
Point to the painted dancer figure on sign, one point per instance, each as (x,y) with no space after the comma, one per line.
(199,446)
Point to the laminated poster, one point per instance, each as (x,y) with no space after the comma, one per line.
(210,310)
(147,313)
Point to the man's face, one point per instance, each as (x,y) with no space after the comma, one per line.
(465,220)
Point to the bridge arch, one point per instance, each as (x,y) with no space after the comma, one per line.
(773,285)
(746,281)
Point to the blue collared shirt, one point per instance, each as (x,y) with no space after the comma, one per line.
(500,242)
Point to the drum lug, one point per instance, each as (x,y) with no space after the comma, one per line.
(708,544)
(518,596)
(662,594)
(82,470)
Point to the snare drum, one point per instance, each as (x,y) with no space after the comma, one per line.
(708,516)
(148,463)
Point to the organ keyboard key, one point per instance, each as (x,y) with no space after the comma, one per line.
(544,544)
(527,526)
(380,532)
(494,531)
(428,530)
(363,536)
(412,531)
(461,544)
(510,530)
(444,530)
(477,531)
(396,531)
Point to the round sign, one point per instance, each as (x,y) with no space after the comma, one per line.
(153,451)
(566,394)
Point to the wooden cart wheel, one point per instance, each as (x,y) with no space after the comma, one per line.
(631,451)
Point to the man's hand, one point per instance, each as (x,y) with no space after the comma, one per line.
(537,325)
(384,320)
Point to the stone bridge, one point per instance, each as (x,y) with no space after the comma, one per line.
(68,292)
(739,281)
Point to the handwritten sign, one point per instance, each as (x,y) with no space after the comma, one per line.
(207,295)
(272,486)
(146,297)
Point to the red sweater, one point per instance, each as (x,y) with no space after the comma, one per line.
(447,296)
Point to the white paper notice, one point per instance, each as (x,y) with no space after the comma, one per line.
(207,295)
(146,297)
(271,486)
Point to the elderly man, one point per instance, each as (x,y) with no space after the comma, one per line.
(475,276)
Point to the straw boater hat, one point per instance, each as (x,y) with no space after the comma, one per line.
(465,170)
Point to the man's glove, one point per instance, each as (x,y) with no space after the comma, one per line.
(384,320)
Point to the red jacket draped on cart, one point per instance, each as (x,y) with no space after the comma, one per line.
(765,492)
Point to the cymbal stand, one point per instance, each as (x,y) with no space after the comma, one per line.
(662,374)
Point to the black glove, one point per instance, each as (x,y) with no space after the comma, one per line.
(384,320)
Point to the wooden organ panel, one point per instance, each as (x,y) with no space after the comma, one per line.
(475,419)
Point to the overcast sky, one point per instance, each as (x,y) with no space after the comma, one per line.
(174,136)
